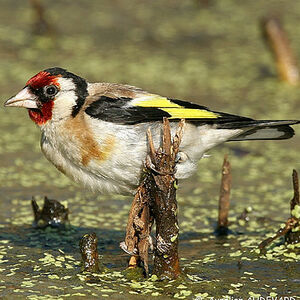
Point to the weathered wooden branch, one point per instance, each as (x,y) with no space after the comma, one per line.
(291,236)
(139,226)
(224,199)
(296,199)
(290,223)
(163,192)
(156,200)
(279,43)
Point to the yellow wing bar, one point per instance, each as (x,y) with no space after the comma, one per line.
(190,113)
(176,111)
(154,101)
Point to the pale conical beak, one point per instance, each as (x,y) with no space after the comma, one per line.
(25,98)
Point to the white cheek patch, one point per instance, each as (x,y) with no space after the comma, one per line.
(65,99)
(66,84)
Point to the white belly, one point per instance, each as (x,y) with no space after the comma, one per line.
(120,171)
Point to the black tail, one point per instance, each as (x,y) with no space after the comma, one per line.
(252,129)
(262,130)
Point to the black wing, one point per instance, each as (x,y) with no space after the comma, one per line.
(118,110)
(125,110)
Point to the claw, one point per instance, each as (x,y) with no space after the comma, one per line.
(123,246)
(151,166)
(181,157)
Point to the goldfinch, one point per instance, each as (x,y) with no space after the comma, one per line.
(95,133)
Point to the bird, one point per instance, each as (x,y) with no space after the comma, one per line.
(95,133)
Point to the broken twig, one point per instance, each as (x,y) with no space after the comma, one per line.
(279,43)
(293,235)
(291,230)
(224,199)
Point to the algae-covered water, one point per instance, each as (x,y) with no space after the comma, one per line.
(209,52)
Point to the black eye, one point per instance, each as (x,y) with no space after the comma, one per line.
(50,90)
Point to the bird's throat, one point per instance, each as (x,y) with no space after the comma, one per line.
(41,116)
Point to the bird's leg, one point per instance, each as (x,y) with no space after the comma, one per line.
(124,247)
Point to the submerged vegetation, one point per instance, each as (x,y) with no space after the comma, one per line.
(209,52)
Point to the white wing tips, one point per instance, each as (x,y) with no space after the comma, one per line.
(279,132)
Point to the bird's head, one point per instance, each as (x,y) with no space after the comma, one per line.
(52,94)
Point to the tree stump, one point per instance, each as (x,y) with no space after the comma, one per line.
(155,200)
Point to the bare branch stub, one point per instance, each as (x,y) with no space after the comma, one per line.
(290,223)
(89,253)
(224,199)
(156,200)
(139,227)
(163,192)
(296,199)
(293,236)
(279,43)
(131,238)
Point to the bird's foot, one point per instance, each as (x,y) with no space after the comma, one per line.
(124,247)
